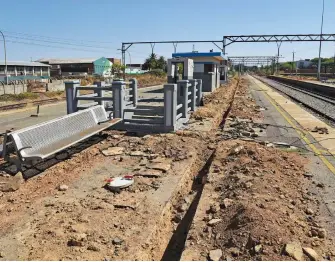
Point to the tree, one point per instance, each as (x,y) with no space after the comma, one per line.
(117,69)
(162,64)
(152,63)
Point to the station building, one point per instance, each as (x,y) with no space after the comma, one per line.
(211,67)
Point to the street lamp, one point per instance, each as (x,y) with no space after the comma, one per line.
(319,63)
(4,46)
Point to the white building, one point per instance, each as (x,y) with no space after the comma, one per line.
(303,63)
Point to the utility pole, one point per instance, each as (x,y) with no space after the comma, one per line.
(4,46)
(319,64)
(292,63)
(277,65)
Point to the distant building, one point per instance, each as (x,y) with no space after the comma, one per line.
(79,66)
(135,69)
(303,63)
(103,67)
(20,70)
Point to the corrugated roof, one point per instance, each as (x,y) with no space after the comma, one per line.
(22,63)
(52,61)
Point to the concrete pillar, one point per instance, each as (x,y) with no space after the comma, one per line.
(24,71)
(184,84)
(199,92)
(33,71)
(70,91)
(100,92)
(133,87)
(118,88)
(15,70)
(41,71)
(193,87)
(170,106)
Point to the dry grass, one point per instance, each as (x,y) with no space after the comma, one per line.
(148,80)
(19,97)
(55,94)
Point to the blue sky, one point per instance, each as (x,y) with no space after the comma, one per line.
(89,25)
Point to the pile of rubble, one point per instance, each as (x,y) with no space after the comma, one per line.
(241,128)
(263,209)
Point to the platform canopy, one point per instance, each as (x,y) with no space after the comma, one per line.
(203,55)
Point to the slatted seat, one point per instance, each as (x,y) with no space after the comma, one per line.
(44,140)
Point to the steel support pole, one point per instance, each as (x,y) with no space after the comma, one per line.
(123,60)
(4,47)
(319,63)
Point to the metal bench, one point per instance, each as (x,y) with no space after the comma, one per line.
(43,140)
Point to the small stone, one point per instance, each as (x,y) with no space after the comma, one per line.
(234,251)
(314,233)
(236,150)
(63,188)
(308,174)
(113,151)
(294,250)
(211,147)
(149,173)
(116,136)
(311,253)
(137,153)
(214,209)
(309,211)
(212,222)
(227,202)
(258,249)
(117,241)
(160,166)
(183,207)
(93,247)
(178,217)
(322,233)
(11,184)
(215,255)
(77,240)
(321,185)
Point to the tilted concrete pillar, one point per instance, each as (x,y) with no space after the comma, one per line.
(70,92)
(170,106)
(118,88)
(133,87)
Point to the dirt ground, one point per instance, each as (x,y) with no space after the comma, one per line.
(54,214)
(207,192)
(257,203)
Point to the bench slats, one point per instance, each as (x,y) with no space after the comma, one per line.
(47,138)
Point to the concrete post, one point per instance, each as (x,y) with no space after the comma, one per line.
(118,88)
(170,106)
(183,84)
(70,91)
(133,87)
(99,92)
(193,88)
(199,91)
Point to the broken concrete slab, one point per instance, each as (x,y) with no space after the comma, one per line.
(160,166)
(113,151)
